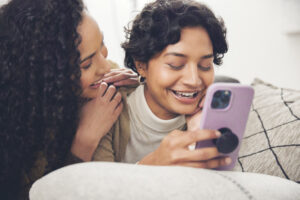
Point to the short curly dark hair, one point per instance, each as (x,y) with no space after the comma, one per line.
(39,85)
(160,23)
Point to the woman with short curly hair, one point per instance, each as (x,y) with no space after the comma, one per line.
(54,104)
(173,45)
(160,24)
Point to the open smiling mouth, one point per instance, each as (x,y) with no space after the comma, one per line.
(96,83)
(189,95)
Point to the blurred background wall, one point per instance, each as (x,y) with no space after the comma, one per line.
(263,36)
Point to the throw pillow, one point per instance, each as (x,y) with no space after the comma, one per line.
(271,144)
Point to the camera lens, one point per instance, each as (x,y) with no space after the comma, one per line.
(218,94)
(225,98)
(221,99)
(214,103)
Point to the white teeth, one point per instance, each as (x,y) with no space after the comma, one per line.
(97,82)
(186,94)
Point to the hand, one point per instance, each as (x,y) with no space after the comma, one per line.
(193,120)
(173,150)
(121,77)
(97,117)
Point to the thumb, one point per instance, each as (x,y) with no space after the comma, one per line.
(201,104)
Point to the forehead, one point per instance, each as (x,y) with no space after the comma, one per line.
(90,34)
(193,41)
(87,25)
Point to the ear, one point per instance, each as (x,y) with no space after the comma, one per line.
(141,68)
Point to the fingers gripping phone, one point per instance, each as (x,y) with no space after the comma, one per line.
(226,108)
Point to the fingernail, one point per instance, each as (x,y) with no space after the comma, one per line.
(103,83)
(227,161)
(218,134)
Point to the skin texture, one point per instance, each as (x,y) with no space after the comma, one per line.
(186,66)
(120,77)
(40,89)
(94,66)
(173,150)
(41,97)
(192,29)
(104,104)
(93,53)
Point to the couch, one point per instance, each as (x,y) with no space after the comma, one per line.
(116,181)
(268,165)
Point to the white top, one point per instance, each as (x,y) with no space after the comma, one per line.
(146,129)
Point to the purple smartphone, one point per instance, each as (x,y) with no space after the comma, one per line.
(226,108)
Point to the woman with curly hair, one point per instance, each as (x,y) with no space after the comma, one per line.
(173,45)
(54,104)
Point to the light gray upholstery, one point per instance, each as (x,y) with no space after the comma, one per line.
(225,79)
(271,143)
(115,181)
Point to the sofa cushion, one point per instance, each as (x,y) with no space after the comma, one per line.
(115,181)
(271,144)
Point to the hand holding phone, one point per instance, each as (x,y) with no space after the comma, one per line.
(226,108)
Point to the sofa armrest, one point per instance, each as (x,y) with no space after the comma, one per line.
(118,181)
(225,79)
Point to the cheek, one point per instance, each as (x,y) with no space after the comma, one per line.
(84,80)
(161,77)
(165,79)
(104,51)
(208,77)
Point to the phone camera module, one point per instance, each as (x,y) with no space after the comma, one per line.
(221,99)
(215,104)
(225,97)
(218,94)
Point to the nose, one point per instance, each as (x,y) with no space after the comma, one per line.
(191,76)
(104,51)
(103,66)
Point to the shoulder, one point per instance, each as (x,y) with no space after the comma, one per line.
(126,91)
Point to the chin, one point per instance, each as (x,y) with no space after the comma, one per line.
(185,110)
(89,96)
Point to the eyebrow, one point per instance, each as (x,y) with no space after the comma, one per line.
(89,57)
(208,56)
(182,55)
(175,54)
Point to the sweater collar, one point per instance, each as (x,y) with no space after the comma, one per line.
(142,111)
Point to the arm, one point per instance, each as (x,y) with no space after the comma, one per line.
(104,151)
(97,117)
(72,159)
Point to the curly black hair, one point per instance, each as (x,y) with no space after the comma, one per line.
(39,85)
(160,23)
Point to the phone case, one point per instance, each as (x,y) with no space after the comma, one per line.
(232,119)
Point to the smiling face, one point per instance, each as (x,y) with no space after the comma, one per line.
(177,78)
(93,55)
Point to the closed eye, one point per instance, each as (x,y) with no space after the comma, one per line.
(176,67)
(88,57)
(86,66)
(204,68)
